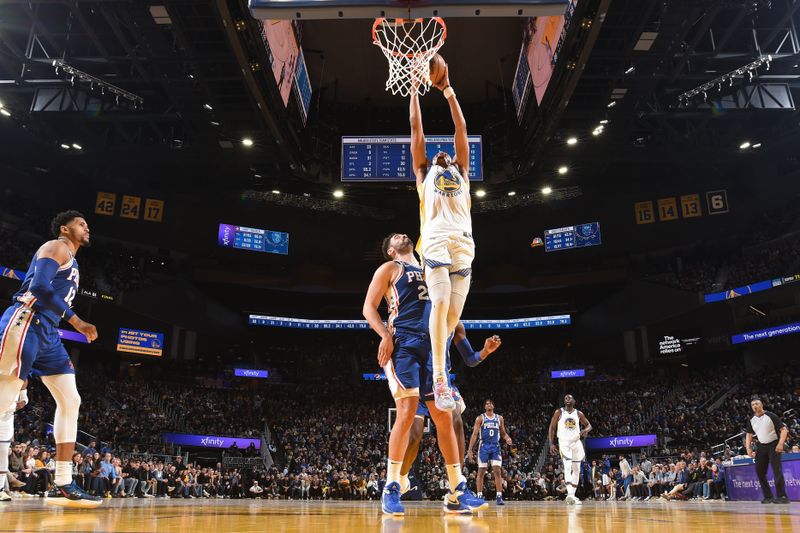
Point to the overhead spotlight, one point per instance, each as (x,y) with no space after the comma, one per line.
(208,106)
(563,170)
(612,104)
(745,145)
(546,190)
(572,141)
(597,131)
(512,193)
(77,146)
(630,70)
(65,146)
(480,193)
(247,141)
(1,105)
(5,112)
(757,145)
(275,191)
(338,193)
(256,175)
(191,76)
(604,122)
(214,123)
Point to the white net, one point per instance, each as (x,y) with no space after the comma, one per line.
(409,45)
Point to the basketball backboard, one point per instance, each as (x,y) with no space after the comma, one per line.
(366,9)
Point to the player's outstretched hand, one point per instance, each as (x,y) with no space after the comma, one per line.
(553,449)
(492,344)
(385,350)
(444,81)
(88,330)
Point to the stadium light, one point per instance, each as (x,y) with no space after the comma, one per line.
(208,106)
(247,141)
(275,191)
(757,145)
(563,170)
(77,146)
(612,104)
(745,145)
(338,193)
(480,193)
(604,122)
(630,70)
(512,193)
(572,141)
(5,112)
(65,146)
(546,190)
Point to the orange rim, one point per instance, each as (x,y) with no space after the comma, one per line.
(399,22)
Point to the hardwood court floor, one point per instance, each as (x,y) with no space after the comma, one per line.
(222,516)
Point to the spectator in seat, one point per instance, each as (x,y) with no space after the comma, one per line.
(256,490)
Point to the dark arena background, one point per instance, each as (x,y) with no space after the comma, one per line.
(634,184)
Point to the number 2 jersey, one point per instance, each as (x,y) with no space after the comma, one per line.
(407,299)
(65,286)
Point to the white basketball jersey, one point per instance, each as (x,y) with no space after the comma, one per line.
(569,427)
(444,203)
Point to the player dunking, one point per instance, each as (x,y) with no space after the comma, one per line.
(445,243)
(569,421)
(471,359)
(404,356)
(489,427)
(30,344)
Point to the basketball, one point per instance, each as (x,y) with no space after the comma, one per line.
(438,69)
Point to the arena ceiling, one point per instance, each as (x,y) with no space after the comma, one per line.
(192,62)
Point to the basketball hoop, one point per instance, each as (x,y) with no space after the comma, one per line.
(409,45)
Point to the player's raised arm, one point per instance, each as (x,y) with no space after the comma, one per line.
(377,288)
(468,354)
(473,440)
(551,433)
(461,157)
(419,159)
(587,426)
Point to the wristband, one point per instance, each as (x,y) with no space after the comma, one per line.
(448,92)
(23,396)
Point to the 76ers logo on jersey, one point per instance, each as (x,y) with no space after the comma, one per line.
(448,184)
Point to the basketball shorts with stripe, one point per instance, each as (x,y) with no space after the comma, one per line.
(455,251)
(30,345)
(410,356)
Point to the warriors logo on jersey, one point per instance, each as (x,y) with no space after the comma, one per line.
(447,182)
(569,424)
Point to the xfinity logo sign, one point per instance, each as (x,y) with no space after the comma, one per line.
(619,442)
(209,441)
(250,373)
(561,374)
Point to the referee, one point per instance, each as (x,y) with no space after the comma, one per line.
(765,426)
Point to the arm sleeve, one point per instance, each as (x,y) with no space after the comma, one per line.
(777,422)
(42,287)
(468,354)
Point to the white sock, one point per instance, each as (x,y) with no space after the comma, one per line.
(393,471)
(570,490)
(454,476)
(499,494)
(63,473)
(405,483)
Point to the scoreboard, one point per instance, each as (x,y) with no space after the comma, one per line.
(579,236)
(257,240)
(367,159)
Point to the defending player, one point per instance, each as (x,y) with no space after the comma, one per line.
(569,421)
(403,356)
(489,427)
(445,243)
(471,358)
(30,344)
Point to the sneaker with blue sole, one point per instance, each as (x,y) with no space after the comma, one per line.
(465,499)
(500,501)
(390,500)
(72,495)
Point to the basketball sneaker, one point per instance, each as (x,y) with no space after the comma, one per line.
(500,500)
(443,395)
(72,495)
(5,496)
(390,500)
(466,499)
(569,500)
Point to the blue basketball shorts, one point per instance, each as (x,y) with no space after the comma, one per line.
(404,369)
(30,345)
(489,454)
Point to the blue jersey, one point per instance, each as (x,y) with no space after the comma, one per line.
(65,286)
(407,298)
(490,431)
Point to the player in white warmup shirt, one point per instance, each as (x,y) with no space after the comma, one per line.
(569,422)
(445,242)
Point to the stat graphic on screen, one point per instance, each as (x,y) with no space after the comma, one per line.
(254,239)
(579,236)
(140,342)
(389,158)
